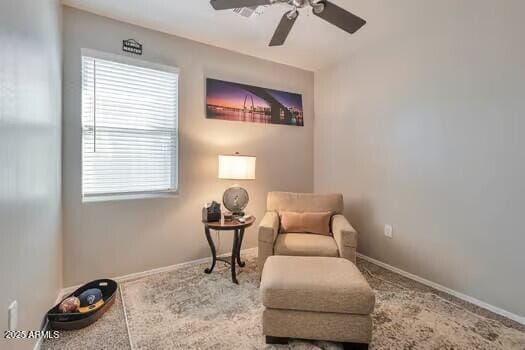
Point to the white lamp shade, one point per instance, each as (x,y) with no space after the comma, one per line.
(237,167)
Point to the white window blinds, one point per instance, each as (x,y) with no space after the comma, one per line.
(129,128)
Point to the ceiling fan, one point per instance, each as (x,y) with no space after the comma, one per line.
(321,8)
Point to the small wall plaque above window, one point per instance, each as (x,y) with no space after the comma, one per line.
(133,46)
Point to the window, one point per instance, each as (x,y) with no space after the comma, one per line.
(129,126)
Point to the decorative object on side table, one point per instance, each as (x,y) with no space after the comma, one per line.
(236,225)
(211,212)
(236,167)
(228,216)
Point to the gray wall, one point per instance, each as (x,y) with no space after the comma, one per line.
(425,132)
(121,237)
(30,137)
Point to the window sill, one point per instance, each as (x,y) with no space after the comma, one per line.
(128,196)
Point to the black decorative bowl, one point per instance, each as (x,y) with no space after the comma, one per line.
(76,320)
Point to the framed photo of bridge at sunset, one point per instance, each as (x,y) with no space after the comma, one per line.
(246,103)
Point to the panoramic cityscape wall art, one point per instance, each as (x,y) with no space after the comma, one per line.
(241,102)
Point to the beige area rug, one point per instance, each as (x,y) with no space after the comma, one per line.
(186,309)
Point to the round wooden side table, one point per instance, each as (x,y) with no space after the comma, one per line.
(238,228)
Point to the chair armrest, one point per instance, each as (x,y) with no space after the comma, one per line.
(268,230)
(345,236)
(269,227)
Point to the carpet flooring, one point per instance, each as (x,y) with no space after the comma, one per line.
(186,309)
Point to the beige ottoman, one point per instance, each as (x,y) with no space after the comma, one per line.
(316,298)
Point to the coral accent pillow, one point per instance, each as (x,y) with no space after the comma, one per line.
(309,222)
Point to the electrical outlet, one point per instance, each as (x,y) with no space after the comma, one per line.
(389,231)
(12,316)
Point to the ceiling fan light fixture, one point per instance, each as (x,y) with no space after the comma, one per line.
(298,3)
(318,6)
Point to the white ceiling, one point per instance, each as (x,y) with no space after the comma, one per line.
(312,44)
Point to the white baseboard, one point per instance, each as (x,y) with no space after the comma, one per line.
(482,304)
(38,344)
(142,274)
(40,341)
(45,323)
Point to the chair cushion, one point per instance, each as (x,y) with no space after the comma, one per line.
(317,284)
(310,222)
(305,244)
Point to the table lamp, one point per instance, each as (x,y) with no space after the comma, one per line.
(236,167)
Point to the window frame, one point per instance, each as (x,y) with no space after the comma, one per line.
(102,197)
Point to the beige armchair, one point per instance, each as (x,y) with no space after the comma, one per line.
(342,243)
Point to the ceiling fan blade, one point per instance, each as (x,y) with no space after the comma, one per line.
(340,17)
(284,28)
(232,4)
